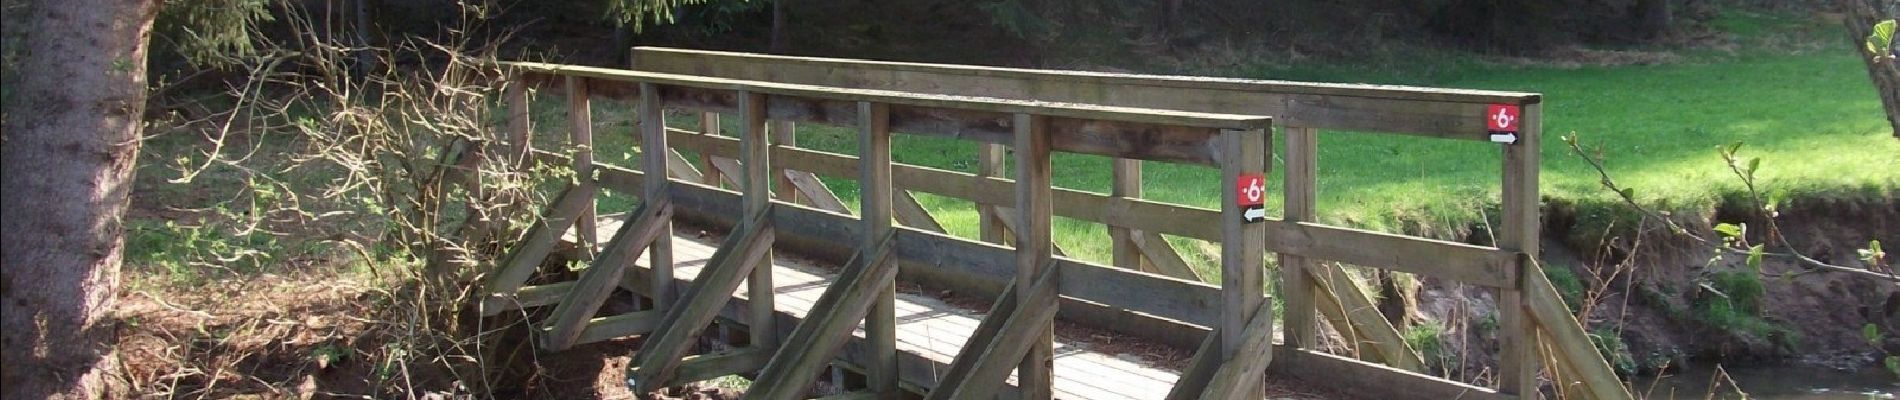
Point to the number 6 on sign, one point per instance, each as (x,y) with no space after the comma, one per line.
(1252,187)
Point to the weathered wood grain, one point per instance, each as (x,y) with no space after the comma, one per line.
(1428,111)
(520,263)
(602,275)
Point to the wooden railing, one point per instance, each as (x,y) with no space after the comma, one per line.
(1127,117)
(1529,307)
(1017,332)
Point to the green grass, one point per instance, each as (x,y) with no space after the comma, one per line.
(1811,116)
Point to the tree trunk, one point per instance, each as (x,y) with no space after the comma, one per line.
(71,138)
(1861,17)
(780,43)
(1654,19)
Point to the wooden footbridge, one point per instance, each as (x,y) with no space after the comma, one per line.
(802,318)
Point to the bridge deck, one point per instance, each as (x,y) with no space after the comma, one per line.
(932,329)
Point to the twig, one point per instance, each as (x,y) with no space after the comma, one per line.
(1628,197)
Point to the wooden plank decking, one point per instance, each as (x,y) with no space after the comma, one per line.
(928,328)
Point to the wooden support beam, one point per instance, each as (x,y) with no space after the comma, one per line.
(1124,253)
(603,275)
(1521,222)
(728,168)
(1346,306)
(618,326)
(652,127)
(1010,227)
(581,141)
(1160,255)
(756,158)
(1296,271)
(654,366)
(704,367)
(531,296)
(990,163)
(1571,345)
(1358,379)
(520,123)
(520,263)
(913,214)
(1242,375)
(814,192)
(677,167)
(1034,248)
(1200,370)
(999,352)
(784,135)
(837,312)
(709,126)
(1242,248)
(877,196)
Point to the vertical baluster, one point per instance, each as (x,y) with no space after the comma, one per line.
(1242,244)
(755,161)
(880,325)
(581,139)
(989,163)
(1127,184)
(653,150)
(709,172)
(1034,247)
(1517,353)
(1296,272)
(784,134)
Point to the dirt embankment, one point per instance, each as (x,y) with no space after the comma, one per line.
(1657,299)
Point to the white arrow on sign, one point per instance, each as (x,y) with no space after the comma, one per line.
(1255,214)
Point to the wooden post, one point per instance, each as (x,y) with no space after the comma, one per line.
(653,149)
(784,134)
(520,128)
(1127,184)
(1242,246)
(580,115)
(1296,272)
(1034,247)
(709,173)
(755,159)
(875,203)
(990,226)
(1517,338)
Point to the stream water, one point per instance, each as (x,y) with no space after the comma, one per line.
(1775,383)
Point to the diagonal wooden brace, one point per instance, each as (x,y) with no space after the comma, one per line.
(987,370)
(1241,374)
(837,312)
(519,265)
(599,279)
(660,355)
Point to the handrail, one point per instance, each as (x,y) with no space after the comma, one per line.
(1433,112)
(1053,109)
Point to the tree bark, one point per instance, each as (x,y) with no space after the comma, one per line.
(1861,17)
(71,138)
(779,41)
(1654,19)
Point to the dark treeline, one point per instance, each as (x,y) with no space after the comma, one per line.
(1021,32)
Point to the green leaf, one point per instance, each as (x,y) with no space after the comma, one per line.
(1754,257)
(1753,164)
(1728,229)
(1881,39)
(1872,333)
